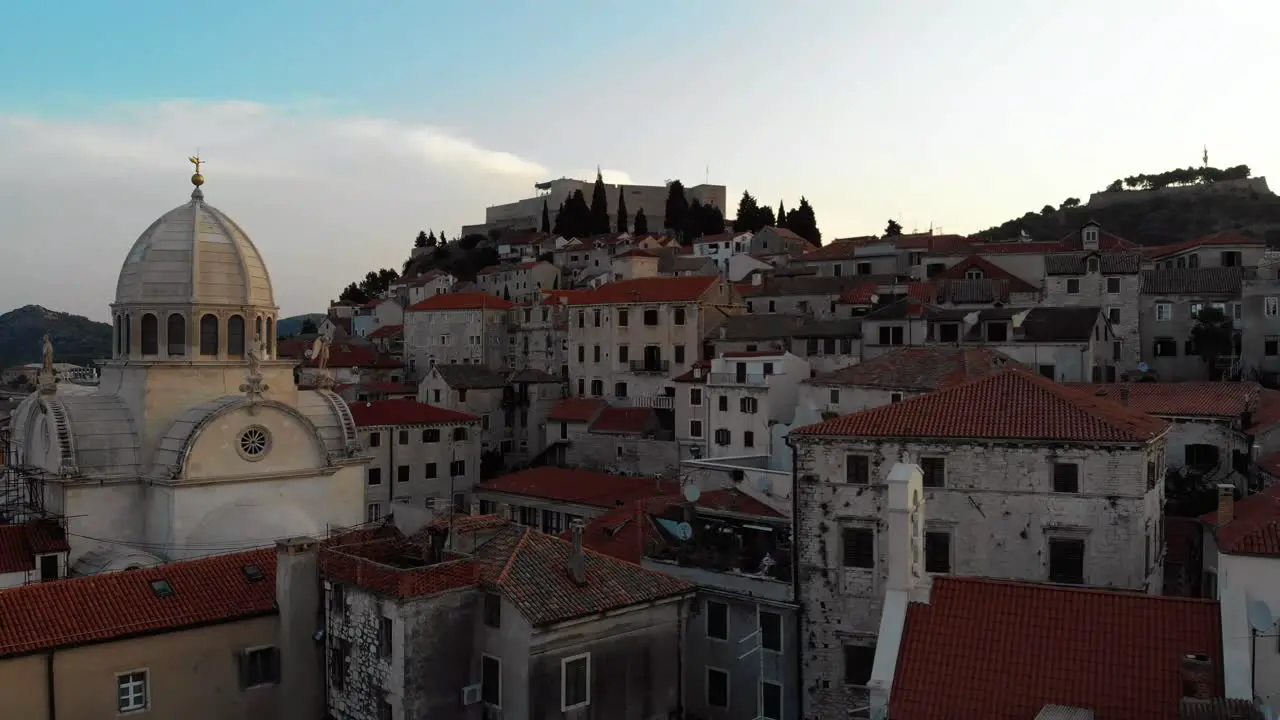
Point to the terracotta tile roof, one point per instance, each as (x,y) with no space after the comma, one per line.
(466,524)
(381,386)
(1194,281)
(528,567)
(924,369)
(1077,263)
(640,253)
(989,270)
(463,301)
(347,354)
(1011,248)
(1214,240)
(1270,464)
(688,375)
(576,409)
(861,293)
(623,421)
(1267,411)
(783,233)
(116,605)
(648,290)
(19,544)
(1002,651)
(585,487)
(834,251)
(722,237)
(1255,525)
(387,331)
(1010,404)
(404,411)
(1181,399)
(1107,242)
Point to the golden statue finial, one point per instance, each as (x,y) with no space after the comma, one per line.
(197,179)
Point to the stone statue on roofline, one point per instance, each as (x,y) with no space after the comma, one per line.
(320,353)
(48,380)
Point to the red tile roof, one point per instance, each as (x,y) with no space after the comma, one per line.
(1002,651)
(465,524)
(387,331)
(19,544)
(568,297)
(648,290)
(576,409)
(528,567)
(990,271)
(934,244)
(404,411)
(1011,404)
(626,421)
(1216,239)
(752,353)
(585,487)
(347,354)
(1255,525)
(380,386)
(1181,399)
(924,369)
(464,301)
(117,605)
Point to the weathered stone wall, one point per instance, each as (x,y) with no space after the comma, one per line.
(624,453)
(366,675)
(1093,293)
(1000,511)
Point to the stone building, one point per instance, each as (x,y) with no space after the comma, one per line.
(551,498)
(421,455)
(1025,480)
(456,328)
(1110,281)
(473,389)
(1260,312)
(525,626)
(538,335)
(1170,304)
(197,439)
(519,283)
(742,645)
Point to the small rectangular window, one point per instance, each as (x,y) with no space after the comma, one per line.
(374,476)
(131,692)
(375,439)
(491,680)
(384,637)
(1066,561)
(493,610)
(770,631)
(770,700)
(717,620)
(695,396)
(259,666)
(1073,286)
(859,660)
(1164,311)
(859,548)
(695,428)
(857,469)
(934,470)
(402,473)
(937,552)
(575,682)
(717,688)
(1066,478)
(1113,286)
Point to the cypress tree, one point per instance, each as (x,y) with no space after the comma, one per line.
(803,222)
(559,227)
(546,217)
(748,214)
(641,225)
(622,211)
(598,218)
(781,219)
(677,207)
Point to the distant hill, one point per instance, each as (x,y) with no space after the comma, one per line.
(1157,218)
(286,327)
(76,339)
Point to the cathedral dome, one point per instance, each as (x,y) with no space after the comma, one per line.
(195,254)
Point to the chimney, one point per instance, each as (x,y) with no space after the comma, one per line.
(301,695)
(757,278)
(1226,504)
(577,560)
(906,529)
(436,538)
(1196,670)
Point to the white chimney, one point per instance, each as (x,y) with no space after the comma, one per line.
(577,559)
(906,528)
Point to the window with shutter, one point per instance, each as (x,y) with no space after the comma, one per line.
(859,548)
(1066,561)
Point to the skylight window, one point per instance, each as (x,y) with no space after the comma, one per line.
(162,588)
(253,573)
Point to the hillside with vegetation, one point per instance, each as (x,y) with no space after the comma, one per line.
(1153,218)
(76,339)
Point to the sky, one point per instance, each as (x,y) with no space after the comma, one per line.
(334,131)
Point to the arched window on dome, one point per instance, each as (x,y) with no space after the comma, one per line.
(119,337)
(150,334)
(176,335)
(258,339)
(128,334)
(271,337)
(235,336)
(208,335)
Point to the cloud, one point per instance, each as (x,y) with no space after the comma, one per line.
(324,197)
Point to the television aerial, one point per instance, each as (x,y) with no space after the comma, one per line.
(683,531)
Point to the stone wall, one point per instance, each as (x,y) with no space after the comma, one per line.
(998,509)
(626,454)
(1226,187)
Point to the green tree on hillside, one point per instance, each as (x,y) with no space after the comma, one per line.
(641,225)
(893,228)
(1070,203)
(421,240)
(781,219)
(546,217)
(574,217)
(623,216)
(748,214)
(309,327)
(802,222)
(599,216)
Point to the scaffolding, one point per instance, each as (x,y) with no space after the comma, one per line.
(22,486)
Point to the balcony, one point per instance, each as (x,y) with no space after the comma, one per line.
(650,366)
(756,380)
(657,402)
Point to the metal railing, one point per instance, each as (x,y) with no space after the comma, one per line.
(650,366)
(716,378)
(657,402)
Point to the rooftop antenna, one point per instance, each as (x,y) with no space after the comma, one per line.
(1205,156)
(706,178)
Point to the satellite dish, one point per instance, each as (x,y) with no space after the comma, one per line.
(875,298)
(1260,617)
(1143,367)
(692,493)
(684,531)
